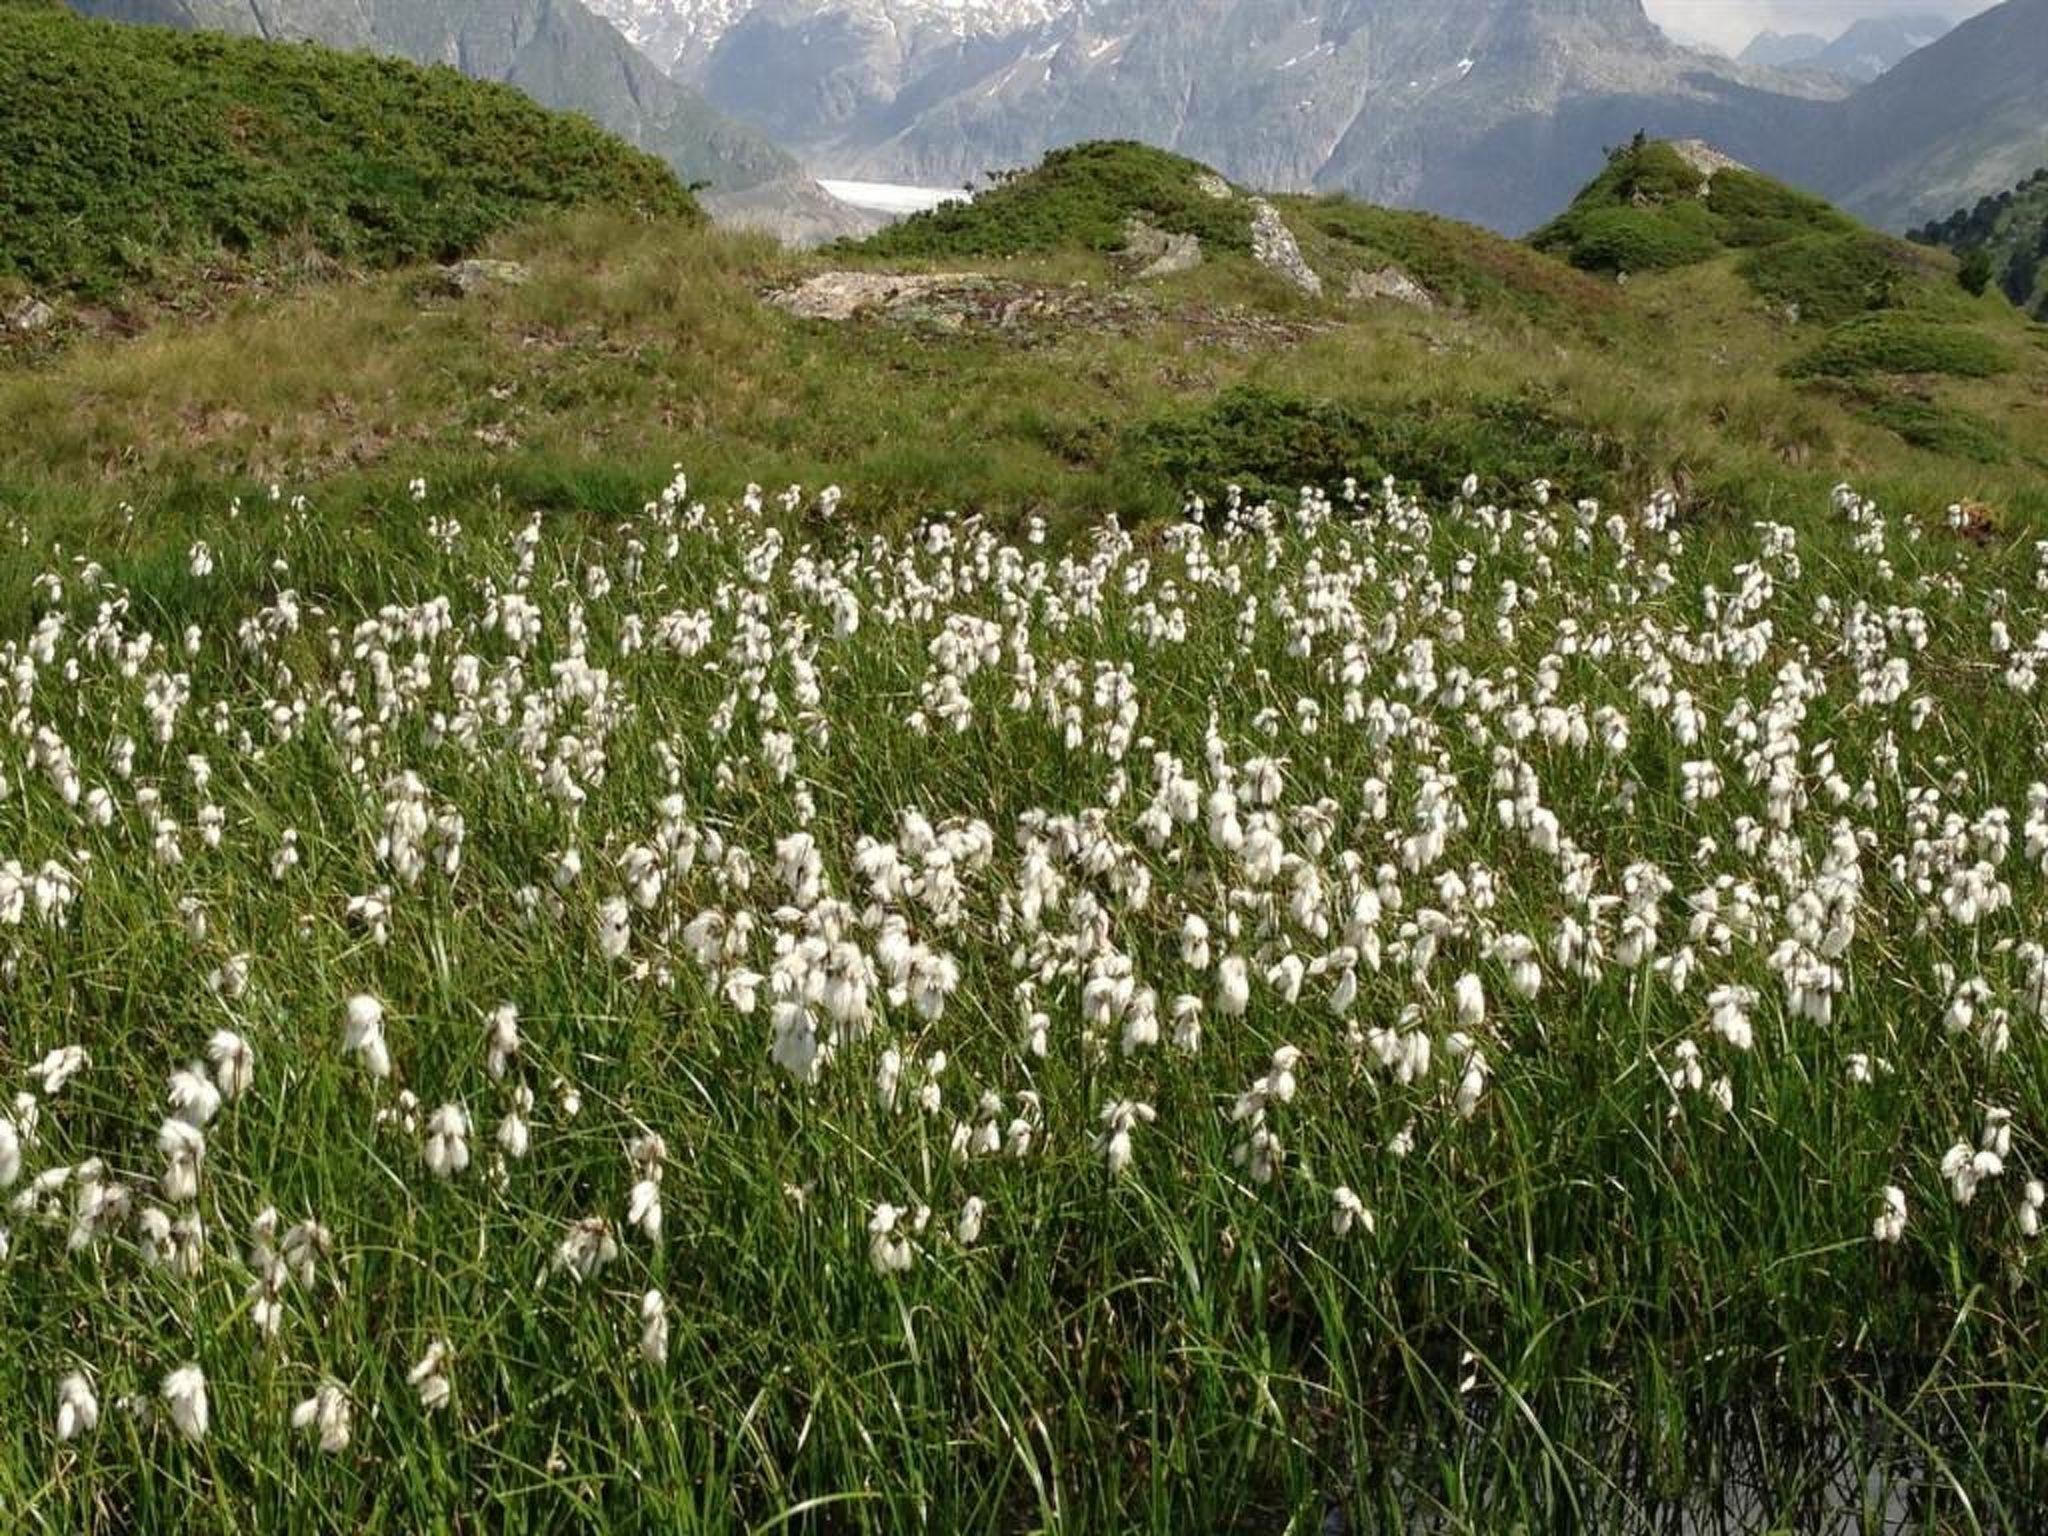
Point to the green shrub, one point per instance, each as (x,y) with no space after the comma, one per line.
(125,151)
(1937,428)
(1076,199)
(1273,442)
(1645,173)
(1639,239)
(1829,277)
(1896,343)
(1751,210)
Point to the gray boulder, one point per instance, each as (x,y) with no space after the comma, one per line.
(1161,253)
(1388,283)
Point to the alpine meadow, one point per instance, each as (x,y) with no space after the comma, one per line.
(1141,853)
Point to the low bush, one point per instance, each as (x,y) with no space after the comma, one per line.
(1898,343)
(1651,209)
(1271,442)
(1639,239)
(1938,428)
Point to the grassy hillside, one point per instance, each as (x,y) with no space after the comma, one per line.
(133,155)
(1886,327)
(1654,210)
(2002,242)
(1058,384)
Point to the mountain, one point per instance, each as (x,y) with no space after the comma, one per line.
(680,35)
(2011,233)
(247,155)
(1877,43)
(1862,53)
(556,51)
(1490,110)
(1961,119)
(1783,50)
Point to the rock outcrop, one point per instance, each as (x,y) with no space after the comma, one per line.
(464,278)
(1391,284)
(1159,252)
(1274,248)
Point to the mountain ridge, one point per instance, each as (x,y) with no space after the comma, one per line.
(1860,52)
(1489,110)
(1477,108)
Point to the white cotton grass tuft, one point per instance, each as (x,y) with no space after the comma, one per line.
(890,1250)
(447,1146)
(78,1409)
(429,1377)
(1348,1213)
(501,1040)
(182,1146)
(184,1395)
(363,1034)
(1890,1224)
(587,1247)
(234,1063)
(326,1416)
(654,1329)
(967,1227)
(59,1067)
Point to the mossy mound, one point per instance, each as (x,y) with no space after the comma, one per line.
(1652,209)
(1075,200)
(130,153)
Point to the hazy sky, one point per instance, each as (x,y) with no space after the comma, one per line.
(1730,24)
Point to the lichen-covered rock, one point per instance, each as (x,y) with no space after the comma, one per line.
(1390,283)
(1705,159)
(1162,253)
(1274,247)
(844,295)
(464,278)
